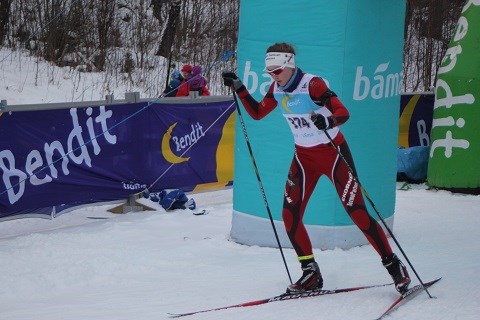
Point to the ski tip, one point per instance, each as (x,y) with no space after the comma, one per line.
(174,315)
(429,283)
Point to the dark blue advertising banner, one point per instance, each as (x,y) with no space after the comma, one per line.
(416,114)
(75,156)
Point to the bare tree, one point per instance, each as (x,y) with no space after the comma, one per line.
(4,17)
(429,25)
(130,40)
(170,31)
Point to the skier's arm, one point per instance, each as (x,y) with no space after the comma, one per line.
(323,96)
(257,110)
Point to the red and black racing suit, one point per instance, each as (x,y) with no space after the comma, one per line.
(310,163)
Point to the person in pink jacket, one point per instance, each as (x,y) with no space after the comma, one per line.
(194,82)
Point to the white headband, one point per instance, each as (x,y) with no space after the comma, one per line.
(279,59)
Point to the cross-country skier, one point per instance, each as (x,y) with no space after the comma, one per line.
(312,109)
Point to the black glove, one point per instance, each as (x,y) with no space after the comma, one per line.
(320,121)
(228,77)
(231,79)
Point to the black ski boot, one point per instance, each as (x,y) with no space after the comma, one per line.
(398,271)
(310,280)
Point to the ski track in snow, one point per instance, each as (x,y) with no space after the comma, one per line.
(143,265)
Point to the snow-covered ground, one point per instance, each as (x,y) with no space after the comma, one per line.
(25,79)
(144,265)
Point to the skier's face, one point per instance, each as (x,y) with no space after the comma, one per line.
(280,74)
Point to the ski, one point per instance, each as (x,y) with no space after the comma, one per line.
(281,297)
(406,296)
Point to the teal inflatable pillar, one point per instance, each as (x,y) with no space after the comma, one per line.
(356,46)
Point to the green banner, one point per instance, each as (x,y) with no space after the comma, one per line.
(455,147)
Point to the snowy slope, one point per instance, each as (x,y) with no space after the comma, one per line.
(144,265)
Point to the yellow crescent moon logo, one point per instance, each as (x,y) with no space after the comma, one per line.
(284,103)
(405,119)
(224,157)
(167,151)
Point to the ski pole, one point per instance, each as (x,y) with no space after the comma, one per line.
(364,192)
(260,184)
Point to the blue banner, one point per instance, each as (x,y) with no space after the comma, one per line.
(416,114)
(103,153)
